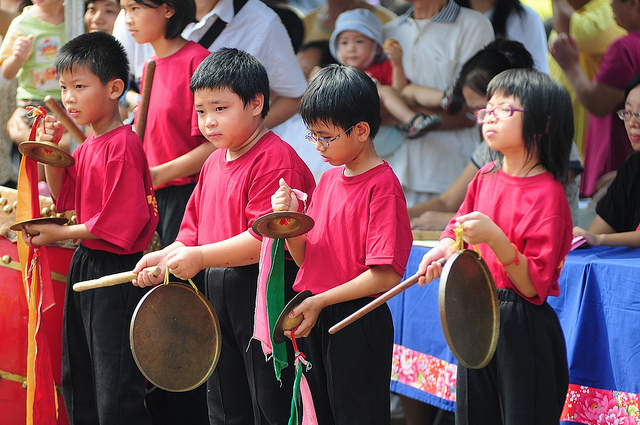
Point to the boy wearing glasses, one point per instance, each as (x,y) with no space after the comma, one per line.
(357,249)
(231,94)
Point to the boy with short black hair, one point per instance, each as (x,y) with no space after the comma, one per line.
(109,186)
(231,93)
(358,248)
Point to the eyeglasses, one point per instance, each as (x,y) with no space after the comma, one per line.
(499,112)
(324,142)
(625,115)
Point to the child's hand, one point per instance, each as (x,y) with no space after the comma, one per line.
(22,47)
(310,310)
(478,228)
(284,199)
(185,262)
(430,267)
(51,130)
(145,277)
(42,234)
(393,51)
(591,238)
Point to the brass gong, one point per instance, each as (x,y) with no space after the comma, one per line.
(175,337)
(468,305)
(40,220)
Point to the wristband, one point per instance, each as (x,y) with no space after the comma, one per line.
(515,260)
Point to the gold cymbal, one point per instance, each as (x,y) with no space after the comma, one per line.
(283,224)
(46,153)
(284,322)
(41,220)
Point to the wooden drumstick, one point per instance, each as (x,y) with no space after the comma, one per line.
(143,106)
(65,119)
(377,302)
(112,280)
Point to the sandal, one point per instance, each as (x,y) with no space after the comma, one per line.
(422,123)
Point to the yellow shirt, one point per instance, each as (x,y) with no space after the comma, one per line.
(594,29)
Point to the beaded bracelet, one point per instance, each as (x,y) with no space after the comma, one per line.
(515,260)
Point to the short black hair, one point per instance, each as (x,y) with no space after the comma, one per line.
(236,70)
(185,13)
(342,96)
(547,122)
(497,56)
(98,52)
(632,84)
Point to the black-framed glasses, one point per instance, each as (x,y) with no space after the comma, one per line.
(324,142)
(625,115)
(499,112)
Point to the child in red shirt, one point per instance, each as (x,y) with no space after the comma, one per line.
(109,186)
(231,92)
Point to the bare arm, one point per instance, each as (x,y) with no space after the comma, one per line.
(601,233)
(599,99)
(185,165)
(394,54)
(281,109)
(562,12)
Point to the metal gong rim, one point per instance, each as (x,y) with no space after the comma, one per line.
(175,337)
(283,224)
(46,153)
(40,220)
(284,322)
(469,312)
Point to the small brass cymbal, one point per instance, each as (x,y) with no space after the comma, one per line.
(284,322)
(42,220)
(46,153)
(283,224)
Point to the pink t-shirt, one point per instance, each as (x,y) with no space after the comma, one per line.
(606,141)
(360,221)
(231,195)
(534,214)
(172,122)
(109,187)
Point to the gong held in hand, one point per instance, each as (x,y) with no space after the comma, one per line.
(47,153)
(468,306)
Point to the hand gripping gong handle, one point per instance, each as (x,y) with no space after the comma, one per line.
(112,280)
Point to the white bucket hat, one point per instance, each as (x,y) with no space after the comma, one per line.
(360,20)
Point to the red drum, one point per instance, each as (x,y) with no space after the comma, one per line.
(13,329)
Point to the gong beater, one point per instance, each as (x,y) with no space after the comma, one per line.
(174,333)
(468,307)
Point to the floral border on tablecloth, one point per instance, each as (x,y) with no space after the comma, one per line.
(424,372)
(594,406)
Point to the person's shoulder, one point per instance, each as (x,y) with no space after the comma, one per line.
(384,14)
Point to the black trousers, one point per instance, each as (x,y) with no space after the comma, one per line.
(351,369)
(101,383)
(172,201)
(526,381)
(243,389)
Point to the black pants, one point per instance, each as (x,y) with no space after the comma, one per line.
(101,383)
(526,381)
(172,201)
(351,369)
(243,389)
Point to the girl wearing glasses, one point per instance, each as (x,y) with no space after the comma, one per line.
(617,220)
(516,213)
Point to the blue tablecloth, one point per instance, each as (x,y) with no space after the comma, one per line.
(599,309)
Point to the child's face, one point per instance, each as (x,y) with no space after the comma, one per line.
(474,100)
(356,50)
(83,96)
(343,149)
(504,134)
(146,24)
(632,124)
(224,119)
(101,15)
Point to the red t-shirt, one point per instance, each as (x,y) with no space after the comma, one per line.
(381,71)
(534,214)
(109,186)
(231,195)
(172,122)
(360,221)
